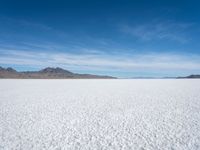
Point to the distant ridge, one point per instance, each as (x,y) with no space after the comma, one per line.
(196,76)
(55,70)
(47,73)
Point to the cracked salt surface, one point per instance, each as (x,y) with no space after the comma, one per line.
(100,114)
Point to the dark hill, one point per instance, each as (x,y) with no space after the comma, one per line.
(55,70)
(196,76)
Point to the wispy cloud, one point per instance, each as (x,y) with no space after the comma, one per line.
(100,61)
(159,31)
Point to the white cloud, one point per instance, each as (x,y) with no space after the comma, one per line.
(97,61)
(158,31)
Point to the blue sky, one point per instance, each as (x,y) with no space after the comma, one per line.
(123,38)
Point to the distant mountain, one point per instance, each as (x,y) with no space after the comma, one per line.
(196,76)
(55,70)
(7,69)
(47,73)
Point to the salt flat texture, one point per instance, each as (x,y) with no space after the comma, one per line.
(100,114)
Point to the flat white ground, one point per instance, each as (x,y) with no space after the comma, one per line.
(100,114)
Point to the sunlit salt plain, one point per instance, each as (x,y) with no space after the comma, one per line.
(100,114)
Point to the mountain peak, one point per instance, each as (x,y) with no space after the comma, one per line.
(54,70)
(9,69)
(1,68)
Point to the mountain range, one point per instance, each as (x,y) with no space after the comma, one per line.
(47,73)
(59,73)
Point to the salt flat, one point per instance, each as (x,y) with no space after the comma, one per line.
(100,114)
